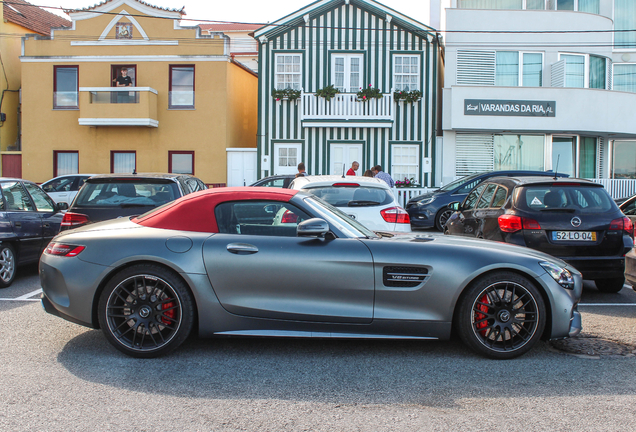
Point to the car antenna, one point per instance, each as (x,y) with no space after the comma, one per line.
(343,170)
(556,170)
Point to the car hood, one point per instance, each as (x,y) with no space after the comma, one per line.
(427,195)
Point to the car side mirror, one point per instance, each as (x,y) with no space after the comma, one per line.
(314,227)
(271,208)
(61,206)
(455,205)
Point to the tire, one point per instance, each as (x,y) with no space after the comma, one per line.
(441,218)
(146,311)
(7,265)
(501,316)
(610,286)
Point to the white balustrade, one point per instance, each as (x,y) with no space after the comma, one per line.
(403,195)
(345,106)
(618,188)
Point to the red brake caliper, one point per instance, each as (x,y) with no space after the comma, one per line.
(172,313)
(479,316)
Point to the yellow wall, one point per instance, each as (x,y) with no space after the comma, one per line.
(225,113)
(10,46)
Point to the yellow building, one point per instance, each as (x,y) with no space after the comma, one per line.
(17,18)
(127,88)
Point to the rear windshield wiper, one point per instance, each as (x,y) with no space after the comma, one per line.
(362,203)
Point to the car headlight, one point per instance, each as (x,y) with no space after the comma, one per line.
(426,201)
(560,274)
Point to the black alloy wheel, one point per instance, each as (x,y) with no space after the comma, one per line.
(146,311)
(7,265)
(501,316)
(441,219)
(610,286)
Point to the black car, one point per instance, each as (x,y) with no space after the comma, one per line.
(279,181)
(109,196)
(29,219)
(572,219)
(430,209)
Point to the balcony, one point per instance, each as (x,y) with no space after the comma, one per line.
(345,110)
(118,106)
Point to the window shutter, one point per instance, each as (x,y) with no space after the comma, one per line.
(474,153)
(600,158)
(476,67)
(557,72)
(608,74)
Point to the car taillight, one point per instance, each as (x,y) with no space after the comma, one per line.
(289,217)
(74,219)
(61,249)
(395,215)
(624,224)
(513,223)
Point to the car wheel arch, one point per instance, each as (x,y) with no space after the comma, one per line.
(115,270)
(544,295)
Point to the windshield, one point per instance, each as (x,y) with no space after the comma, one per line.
(563,198)
(460,181)
(339,219)
(126,194)
(359,196)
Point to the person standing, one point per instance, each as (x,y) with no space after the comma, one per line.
(378,173)
(354,167)
(123,80)
(301,170)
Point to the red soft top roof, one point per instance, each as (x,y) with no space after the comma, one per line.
(195,212)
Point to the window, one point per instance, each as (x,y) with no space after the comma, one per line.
(123,162)
(587,158)
(65,162)
(16,197)
(486,197)
(181,162)
(65,87)
(405,162)
(509,73)
(287,157)
(346,72)
(519,152)
(471,199)
(563,152)
(623,160)
(500,197)
(591,6)
(624,77)
(265,218)
(288,72)
(624,24)
(42,201)
(585,71)
(406,72)
(181,86)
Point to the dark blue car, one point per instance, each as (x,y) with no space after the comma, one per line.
(29,219)
(429,210)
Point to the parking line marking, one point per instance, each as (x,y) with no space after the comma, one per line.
(25,297)
(607,304)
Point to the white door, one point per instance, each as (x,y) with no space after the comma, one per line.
(342,156)
(241,167)
(287,156)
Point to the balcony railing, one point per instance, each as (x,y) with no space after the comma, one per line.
(118,106)
(346,108)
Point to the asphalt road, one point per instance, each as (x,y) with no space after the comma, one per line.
(57,376)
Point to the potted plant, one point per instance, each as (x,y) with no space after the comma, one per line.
(369,92)
(285,94)
(328,92)
(407,182)
(407,96)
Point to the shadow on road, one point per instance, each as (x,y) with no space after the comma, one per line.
(425,373)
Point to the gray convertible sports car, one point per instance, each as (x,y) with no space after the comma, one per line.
(280,262)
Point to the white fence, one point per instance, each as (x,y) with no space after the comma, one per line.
(618,188)
(403,195)
(345,106)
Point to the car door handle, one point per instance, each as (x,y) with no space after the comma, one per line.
(18,224)
(241,248)
(47,225)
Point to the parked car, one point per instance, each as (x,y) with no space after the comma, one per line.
(148,281)
(64,188)
(29,219)
(108,196)
(430,209)
(280,181)
(628,207)
(573,219)
(366,199)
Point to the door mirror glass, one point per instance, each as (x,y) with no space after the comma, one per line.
(455,205)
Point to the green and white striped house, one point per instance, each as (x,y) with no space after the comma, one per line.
(351,45)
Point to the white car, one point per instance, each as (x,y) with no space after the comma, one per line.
(65,187)
(368,200)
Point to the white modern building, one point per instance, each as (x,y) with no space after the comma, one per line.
(532,83)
